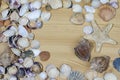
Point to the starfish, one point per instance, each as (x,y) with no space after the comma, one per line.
(100,36)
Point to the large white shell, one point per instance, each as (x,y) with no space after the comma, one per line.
(35,5)
(89,9)
(23,21)
(36,52)
(45,16)
(55,4)
(77,8)
(33,15)
(22,31)
(16,51)
(5,14)
(28,62)
(90,75)
(43,75)
(35,44)
(110,76)
(23,9)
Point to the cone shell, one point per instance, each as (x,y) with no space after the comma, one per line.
(107,12)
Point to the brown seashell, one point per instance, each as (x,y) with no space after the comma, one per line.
(107,12)
(100,64)
(83,50)
(77,18)
(7,23)
(44,55)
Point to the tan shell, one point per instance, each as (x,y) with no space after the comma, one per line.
(107,12)
(7,23)
(77,18)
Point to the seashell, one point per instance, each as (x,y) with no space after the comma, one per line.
(77,18)
(90,75)
(44,55)
(88,29)
(20,73)
(36,52)
(43,76)
(23,1)
(29,73)
(35,44)
(17,52)
(34,15)
(77,8)
(35,24)
(7,23)
(2,70)
(3,6)
(30,36)
(23,43)
(49,67)
(28,53)
(9,33)
(14,4)
(45,16)
(13,78)
(20,60)
(107,12)
(67,3)
(23,9)
(22,31)
(116,64)
(35,5)
(28,62)
(110,76)
(77,0)
(23,21)
(100,64)
(89,17)
(37,67)
(12,70)
(97,78)
(14,16)
(65,71)
(75,75)
(5,14)
(83,50)
(89,9)
(95,3)
(48,7)
(55,4)
(114,4)
(104,1)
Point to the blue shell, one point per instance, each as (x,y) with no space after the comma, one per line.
(116,64)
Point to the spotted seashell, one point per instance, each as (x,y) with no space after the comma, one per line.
(75,75)
(116,64)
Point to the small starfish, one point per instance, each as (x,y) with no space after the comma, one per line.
(100,36)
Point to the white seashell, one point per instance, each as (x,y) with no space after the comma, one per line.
(30,36)
(78,0)
(36,52)
(22,31)
(33,15)
(97,78)
(5,14)
(12,70)
(9,33)
(53,73)
(2,70)
(23,43)
(45,1)
(13,78)
(23,21)
(77,8)
(90,75)
(65,71)
(14,16)
(23,1)
(89,17)
(28,62)
(13,29)
(16,51)
(114,3)
(95,3)
(88,29)
(110,76)
(89,9)
(104,1)
(35,44)
(43,75)
(55,4)
(67,3)
(45,16)
(29,78)
(23,9)
(49,67)
(35,5)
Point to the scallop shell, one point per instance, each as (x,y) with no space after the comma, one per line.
(116,64)
(67,3)
(28,62)
(4,5)
(83,50)
(110,76)
(77,18)
(106,12)
(23,9)
(100,64)
(75,75)
(55,4)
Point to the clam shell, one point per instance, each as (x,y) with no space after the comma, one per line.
(23,9)
(27,53)
(67,3)
(45,16)
(106,12)
(77,18)
(16,51)
(100,64)
(89,9)
(28,62)
(35,44)
(23,21)
(55,4)
(110,76)
(22,31)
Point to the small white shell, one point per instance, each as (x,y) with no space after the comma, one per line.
(13,29)
(9,33)
(55,4)
(104,1)
(89,9)
(30,36)
(12,70)
(45,16)
(95,3)
(13,78)
(36,52)
(2,70)
(90,75)
(110,76)
(28,62)
(23,9)
(33,15)
(77,8)
(35,44)
(23,43)
(45,1)
(23,21)
(43,75)
(89,17)
(50,66)
(22,31)
(5,14)
(97,78)
(14,16)
(35,5)
(23,1)
(78,0)
(67,3)
(65,71)
(88,29)
(16,51)
(53,73)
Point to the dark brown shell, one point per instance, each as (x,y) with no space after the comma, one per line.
(100,64)
(83,50)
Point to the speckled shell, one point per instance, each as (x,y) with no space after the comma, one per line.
(100,64)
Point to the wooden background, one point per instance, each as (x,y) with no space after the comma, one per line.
(59,37)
